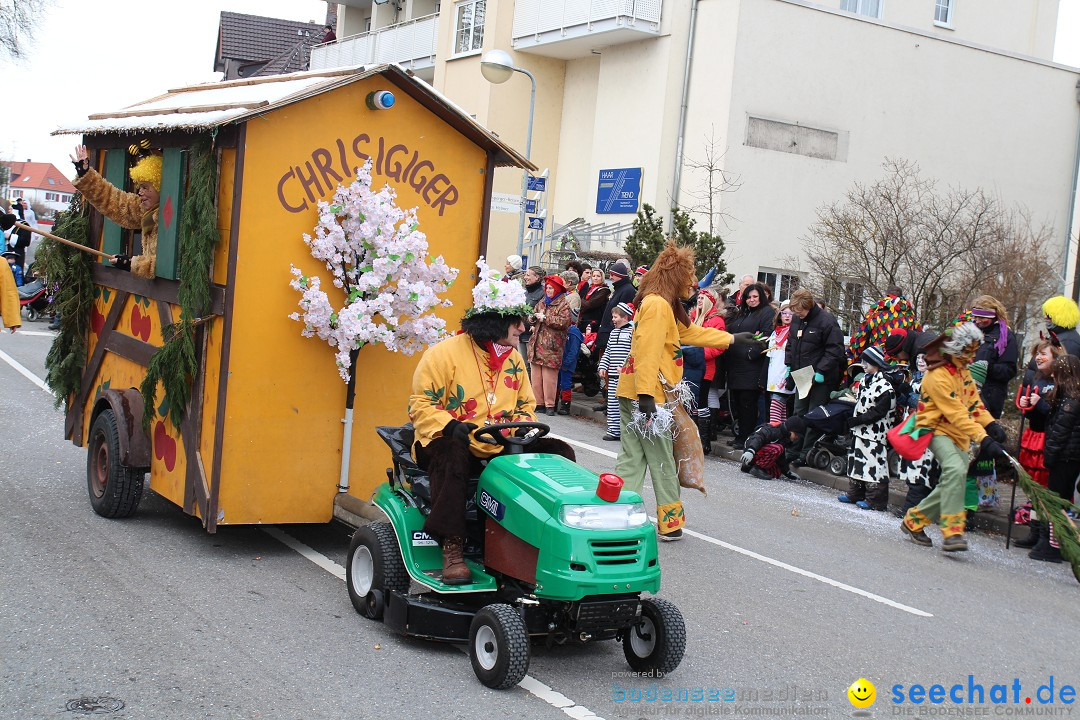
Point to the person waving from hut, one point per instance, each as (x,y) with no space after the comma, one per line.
(135,211)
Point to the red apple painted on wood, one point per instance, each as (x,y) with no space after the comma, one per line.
(140,324)
(97,320)
(164,446)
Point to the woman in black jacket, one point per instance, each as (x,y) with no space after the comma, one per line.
(1061,454)
(743,363)
(999,350)
(594,298)
(815,340)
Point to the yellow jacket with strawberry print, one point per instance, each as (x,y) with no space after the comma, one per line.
(10,311)
(452,382)
(124,209)
(949,404)
(656,349)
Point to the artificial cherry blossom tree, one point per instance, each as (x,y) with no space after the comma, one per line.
(389,285)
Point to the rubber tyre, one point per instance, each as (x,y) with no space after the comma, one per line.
(657,642)
(838,466)
(499,646)
(821,460)
(31,313)
(115,490)
(374,568)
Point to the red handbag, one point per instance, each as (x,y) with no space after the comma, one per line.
(910,442)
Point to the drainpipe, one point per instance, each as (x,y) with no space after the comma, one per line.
(677,178)
(1072,214)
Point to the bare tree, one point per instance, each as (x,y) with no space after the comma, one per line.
(716,182)
(941,247)
(18,20)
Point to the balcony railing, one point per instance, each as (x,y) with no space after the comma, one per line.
(573,28)
(410,44)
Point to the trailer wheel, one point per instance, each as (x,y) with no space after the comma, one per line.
(115,490)
(838,466)
(822,460)
(658,640)
(499,646)
(374,569)
(31,313)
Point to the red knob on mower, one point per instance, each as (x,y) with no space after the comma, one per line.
(609,486)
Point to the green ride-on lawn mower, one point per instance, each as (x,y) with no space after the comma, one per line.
(552,561)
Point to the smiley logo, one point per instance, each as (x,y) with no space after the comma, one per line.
(862,693)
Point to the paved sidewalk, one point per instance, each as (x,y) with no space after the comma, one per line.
(992,521)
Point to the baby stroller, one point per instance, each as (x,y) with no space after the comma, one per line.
(831,449)
(32,297)
(588,361)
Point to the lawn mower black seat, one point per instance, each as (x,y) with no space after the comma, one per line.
(400,440)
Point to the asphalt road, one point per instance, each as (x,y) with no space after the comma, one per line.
(785,593)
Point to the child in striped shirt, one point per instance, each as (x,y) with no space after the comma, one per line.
(618,348)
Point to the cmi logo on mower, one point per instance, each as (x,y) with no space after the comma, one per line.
(422,539)
(493,507)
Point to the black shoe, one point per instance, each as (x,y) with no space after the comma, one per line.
(55,324)
(954,543)
(757,472)
(541,410)
(703,433)
(672,536)
(551,410)
(1034,530)
(790,476)
(1044,551)
(799,461)
(600,408)
(919,538)
(611,438)
(564,409)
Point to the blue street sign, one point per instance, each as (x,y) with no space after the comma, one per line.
(537,184)
(530,207)
(618,191)
(536,223)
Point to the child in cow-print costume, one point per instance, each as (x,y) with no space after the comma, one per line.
(868,460)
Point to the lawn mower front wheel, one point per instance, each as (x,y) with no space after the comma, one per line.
(658,640)
(499,646)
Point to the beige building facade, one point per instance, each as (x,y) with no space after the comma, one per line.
(802,99)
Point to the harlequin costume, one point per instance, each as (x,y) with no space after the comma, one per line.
(463,382)
(661,327)
(950,408)
(124,208)
(891,313)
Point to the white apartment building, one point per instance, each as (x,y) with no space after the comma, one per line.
(803,99)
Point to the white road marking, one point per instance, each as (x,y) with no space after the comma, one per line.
(36,333)
(529,683)
(586,446)
(24,372)
(764,558)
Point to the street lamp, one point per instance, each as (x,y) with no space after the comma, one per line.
(497,67)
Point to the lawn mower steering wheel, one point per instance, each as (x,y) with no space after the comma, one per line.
(493,435)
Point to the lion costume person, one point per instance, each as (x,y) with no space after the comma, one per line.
(661,328)
(135,211)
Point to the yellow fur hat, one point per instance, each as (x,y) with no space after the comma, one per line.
(1062,311)
(148,170)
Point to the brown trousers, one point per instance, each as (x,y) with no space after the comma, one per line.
(449,465)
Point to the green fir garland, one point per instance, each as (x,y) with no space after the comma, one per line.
(68,271)
(175,363)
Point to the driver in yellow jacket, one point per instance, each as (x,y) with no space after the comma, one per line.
(477,377)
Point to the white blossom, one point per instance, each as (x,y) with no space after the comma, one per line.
(378,260)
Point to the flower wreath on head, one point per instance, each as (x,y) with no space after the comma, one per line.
(492,295)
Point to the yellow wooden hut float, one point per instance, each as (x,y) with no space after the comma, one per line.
(260,439)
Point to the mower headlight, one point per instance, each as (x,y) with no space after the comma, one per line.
(609,516)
